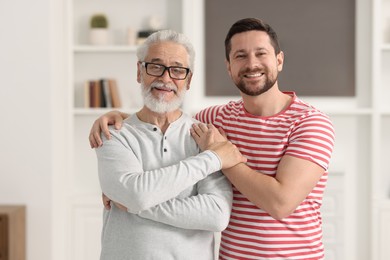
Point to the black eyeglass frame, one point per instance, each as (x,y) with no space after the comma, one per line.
(145,64)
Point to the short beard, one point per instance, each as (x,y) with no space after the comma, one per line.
(267,86)
(270,82)
(159,105)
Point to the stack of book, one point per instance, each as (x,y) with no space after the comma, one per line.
(101,93)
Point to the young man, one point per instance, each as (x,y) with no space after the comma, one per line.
(169,199)
(288,143)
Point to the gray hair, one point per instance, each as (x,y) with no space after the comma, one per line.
(167,36)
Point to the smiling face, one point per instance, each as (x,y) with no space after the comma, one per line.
(164,94)
(253,64)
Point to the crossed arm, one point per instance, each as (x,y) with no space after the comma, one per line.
(158,194)
(279,196)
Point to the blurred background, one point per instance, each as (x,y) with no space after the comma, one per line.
(56,66)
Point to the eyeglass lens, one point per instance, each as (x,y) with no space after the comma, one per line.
(158,70)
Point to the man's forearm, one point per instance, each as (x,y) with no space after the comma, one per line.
(279,196)
(202,212)
(123,180)
(209,210)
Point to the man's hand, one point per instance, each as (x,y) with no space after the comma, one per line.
(210,138)
(101,125)
(107,203)
(206,135)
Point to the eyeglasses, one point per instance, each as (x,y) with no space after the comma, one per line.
(157,70)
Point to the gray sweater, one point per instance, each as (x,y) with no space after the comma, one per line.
(176,197)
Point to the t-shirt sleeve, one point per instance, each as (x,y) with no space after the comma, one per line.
(312,139)
(208,115)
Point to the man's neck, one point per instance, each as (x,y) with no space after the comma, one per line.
(269,103)
(161,120)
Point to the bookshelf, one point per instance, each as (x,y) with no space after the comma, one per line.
(108,49)
(116,60)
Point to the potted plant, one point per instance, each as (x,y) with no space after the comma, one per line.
(99,29)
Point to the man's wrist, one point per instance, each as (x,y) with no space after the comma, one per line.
(215,157)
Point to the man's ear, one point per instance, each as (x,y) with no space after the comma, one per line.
(280,60)
(139,68)
(189,78)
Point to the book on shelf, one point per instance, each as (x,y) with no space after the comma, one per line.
(101,93)
(115,97)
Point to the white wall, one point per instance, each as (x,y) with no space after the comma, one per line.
(25,146)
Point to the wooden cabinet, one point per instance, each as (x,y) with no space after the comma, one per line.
(12,232)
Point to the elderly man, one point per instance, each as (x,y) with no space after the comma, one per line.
(167,198)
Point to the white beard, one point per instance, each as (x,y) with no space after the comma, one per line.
(159,105)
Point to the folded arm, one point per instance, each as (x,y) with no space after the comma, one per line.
(124,181)
(279,196)
(297,172)
(209,210)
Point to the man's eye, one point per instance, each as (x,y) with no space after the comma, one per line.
(178,70)
(154,66)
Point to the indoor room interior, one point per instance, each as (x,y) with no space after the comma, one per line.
(337,58)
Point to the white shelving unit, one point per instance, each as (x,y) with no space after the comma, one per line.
(380,221)
(116,60)
(102,49)
(361,175)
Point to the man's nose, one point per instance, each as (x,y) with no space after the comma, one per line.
(165,77)
(253,61)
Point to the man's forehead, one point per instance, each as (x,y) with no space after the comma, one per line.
(171,52)
(252,40)
(171,48)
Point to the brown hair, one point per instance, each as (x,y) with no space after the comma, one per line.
(250,24)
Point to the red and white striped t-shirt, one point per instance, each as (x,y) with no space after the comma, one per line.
(302,131)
